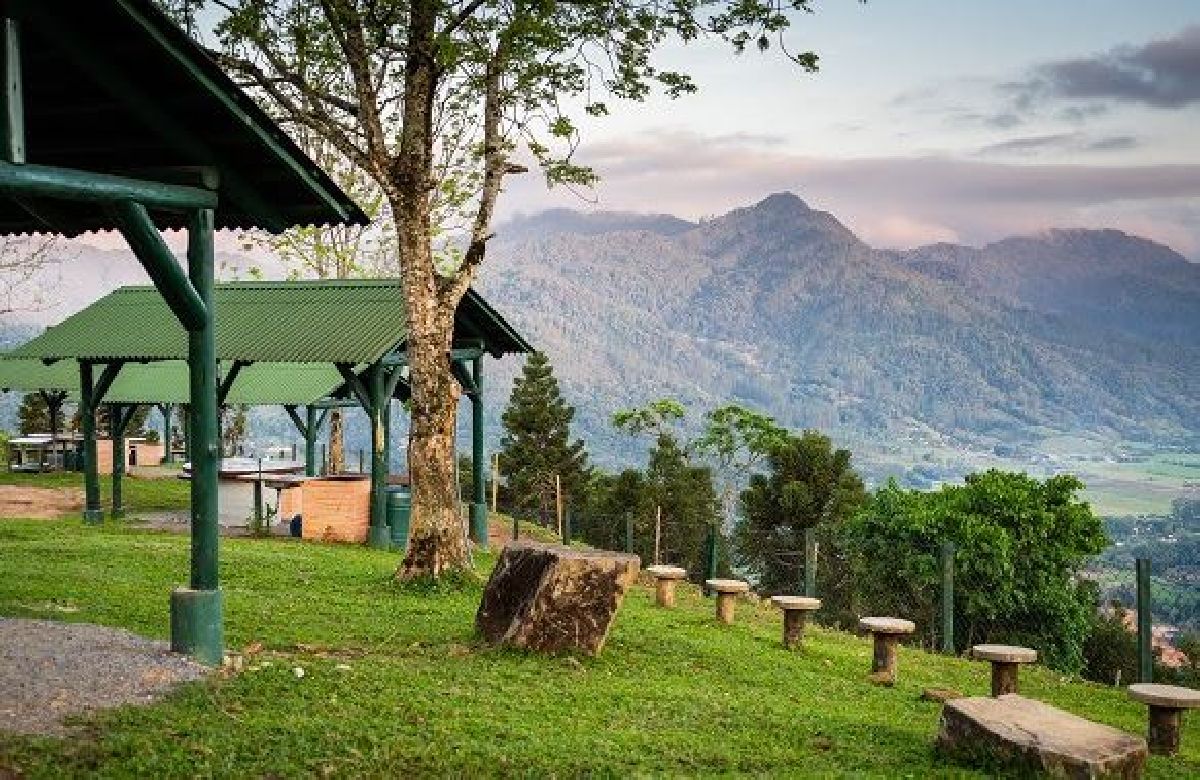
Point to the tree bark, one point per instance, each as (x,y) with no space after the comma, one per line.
(337,443)
(437,541)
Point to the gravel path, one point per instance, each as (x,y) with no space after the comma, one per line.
(50,670)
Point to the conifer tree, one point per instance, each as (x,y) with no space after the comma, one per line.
(537,442)
(33,415)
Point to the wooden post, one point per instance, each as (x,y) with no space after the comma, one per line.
(495,478)
(948,551)
(657,533)
(558,503)
(1144,627)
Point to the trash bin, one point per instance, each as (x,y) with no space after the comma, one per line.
(399,512)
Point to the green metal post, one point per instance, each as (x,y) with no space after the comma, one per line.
(710,553)
(479,518)
(379,537)
(92,513)
(168,411)
(1144,623)
(628,532)
(196,611)
(810,563)
(948,550)
(566,529)
(12,128)
(116,432)
(310,441)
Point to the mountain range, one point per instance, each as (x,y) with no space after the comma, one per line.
(1004,349)
(780,307)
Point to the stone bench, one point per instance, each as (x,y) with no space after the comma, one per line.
(795,614)
(665,578)
(727,592)
(1011,735)
(886,633)
(1006,663)
(1166,703)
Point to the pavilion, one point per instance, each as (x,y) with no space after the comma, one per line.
(112,118)
(348,336)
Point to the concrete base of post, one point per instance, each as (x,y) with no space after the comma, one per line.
(379,537)
(479,524)
(93,516)
(197,628)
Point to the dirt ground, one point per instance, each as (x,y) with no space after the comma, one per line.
(36,502)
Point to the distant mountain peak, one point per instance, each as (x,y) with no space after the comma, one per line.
(778,200)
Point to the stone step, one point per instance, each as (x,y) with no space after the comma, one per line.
(1017,735)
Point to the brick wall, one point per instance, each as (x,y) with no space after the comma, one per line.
(336,510)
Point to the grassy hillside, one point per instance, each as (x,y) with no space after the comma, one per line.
(395,683)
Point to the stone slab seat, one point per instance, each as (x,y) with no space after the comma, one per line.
(728,586)
(1013,735)
(666,572)
(887,625)
(1166,703)
(551,598)
(798,603)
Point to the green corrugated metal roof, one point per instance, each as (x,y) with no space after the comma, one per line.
(260,384)
(114,86)
(315,321)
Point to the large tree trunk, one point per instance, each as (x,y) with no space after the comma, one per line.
(437,541)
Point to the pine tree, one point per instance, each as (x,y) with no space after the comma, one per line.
(537,443)
(33,414)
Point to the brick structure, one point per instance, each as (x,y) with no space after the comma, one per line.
(336,509)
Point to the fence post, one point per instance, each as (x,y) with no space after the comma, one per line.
(628,532)
(1145,649)
(710,553)
(566,529)
(810,562)
(948,550)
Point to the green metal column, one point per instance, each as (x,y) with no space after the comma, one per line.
(948,551)
(710,551)
(196,611)
(168,411)
(810,563)
(310,441)
(92,513)
(1144,623)
(379,536)
(116,431)
(479,511)
(12,126)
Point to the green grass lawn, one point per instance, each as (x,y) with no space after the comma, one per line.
(396,684)
(139,494)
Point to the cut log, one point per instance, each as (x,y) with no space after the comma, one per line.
(1013,735)
(554,599)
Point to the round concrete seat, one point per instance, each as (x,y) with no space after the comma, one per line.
(727,591)
(1166,703)
(1006,661)
(665,578)
(886,632)
(795,613)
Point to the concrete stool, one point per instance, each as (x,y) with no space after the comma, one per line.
(1167,703)
(795,613)
(1006,662)
(727,591)
(886,632)
(665,578)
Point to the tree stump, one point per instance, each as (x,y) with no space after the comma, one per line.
(886,633)
(552,598)
(727,592)
(665,578)
(795,614)
(1166,703)
(1006,664)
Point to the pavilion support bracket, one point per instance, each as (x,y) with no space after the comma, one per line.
(147,243)
(91,394)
